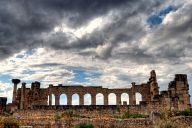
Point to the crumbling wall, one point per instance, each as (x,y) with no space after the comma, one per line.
(175,98)
(3,101)
(48,119)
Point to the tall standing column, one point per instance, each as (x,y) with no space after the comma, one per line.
(22,95)
(81,99)
(50,94)
(93,99)
(69,99)
(132,99)
(57,98)
(118,99)
(15,82)
(50,99)
(132,96)
(106,99)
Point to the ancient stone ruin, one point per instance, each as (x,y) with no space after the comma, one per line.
(3,102)
(175,98)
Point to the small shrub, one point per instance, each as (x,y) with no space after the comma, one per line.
(184,113)
(57,116)
(83,125)
(67,114)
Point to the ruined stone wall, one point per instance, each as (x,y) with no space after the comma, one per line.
(3,101)
(176,97)
(93,111)
(98,123)
(48,119)
(27,97)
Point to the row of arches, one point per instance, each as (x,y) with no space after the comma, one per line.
(99,99)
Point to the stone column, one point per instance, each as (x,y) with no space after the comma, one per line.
(132,99)
(106,99)
(50,99)
(15,82)
(57,98)
(81,99)
(50,94)
(22,95)
(118,99)
(69,99)
(93,99)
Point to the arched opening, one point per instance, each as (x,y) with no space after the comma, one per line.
(138,97)
(75,99)
(87,99)
(63,99)
(112,99)
(53,99)
(124,99)
(99,99)
(48,100)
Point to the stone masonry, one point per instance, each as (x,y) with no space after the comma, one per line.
(3,102)
(175,98)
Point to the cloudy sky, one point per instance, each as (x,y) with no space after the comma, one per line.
(106,43)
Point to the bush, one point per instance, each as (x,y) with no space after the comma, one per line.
(184,113)
(83,125)
(127,115)
(67,114)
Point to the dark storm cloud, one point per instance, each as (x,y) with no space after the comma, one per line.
(125,26)
(62,40)
(29,24)
(172,40)
(83,8)
(22,23)
(167,43)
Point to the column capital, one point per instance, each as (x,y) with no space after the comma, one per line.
(16,81)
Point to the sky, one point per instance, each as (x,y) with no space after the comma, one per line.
(108,43)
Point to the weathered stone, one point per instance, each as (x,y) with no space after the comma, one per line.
(175,98)
(3,101)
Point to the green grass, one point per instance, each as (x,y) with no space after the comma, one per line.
(83,125)
(183,113)
(68,114)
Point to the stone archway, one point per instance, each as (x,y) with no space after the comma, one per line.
(75,99)
(87,99)
(99,99)
(138,97)
(124,99)
(53,99)
(112,99)
(48,100)
(63,99)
